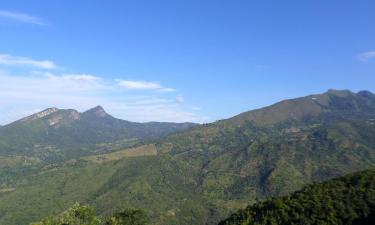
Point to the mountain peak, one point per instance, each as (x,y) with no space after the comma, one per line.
(97,111)
(365,94)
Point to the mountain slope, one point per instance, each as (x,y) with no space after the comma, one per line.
(255,154)
(331,102)
(67,132)
(200,175)
(347,200)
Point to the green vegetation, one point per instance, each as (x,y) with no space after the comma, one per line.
(57,135)
(128,217)
(144,150)
(199,175)
(85,215)
(343,201)
(161,185)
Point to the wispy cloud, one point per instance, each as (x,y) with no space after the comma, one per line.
(25,94)
(21,17)
(74,77)
(41,87)
(366,56)
(10,60)
(143,85)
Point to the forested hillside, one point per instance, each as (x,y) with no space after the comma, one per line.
(349,200)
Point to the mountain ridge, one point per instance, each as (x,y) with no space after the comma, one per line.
(62,130)
(297,108)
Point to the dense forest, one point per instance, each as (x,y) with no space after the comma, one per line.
(348,200)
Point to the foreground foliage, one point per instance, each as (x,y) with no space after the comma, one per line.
(344,201)
(85,215)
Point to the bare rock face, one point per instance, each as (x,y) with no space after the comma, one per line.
(41,114)
(64,116)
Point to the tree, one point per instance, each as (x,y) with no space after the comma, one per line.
(128,217)
(76,215)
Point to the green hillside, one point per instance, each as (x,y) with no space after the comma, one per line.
(346,200)
(342,201)
(55,134)
(256,154)
(202,174)
(163,186)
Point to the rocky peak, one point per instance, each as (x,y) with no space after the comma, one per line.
(97,111)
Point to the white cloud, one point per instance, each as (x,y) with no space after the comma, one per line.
(80,77)
(10,60)
(139,85)
(22,95)
(36,90)
(366,56)
(167,90)
(144,85)
(21,17)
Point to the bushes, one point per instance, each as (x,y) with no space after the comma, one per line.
(128,217)
(85,215)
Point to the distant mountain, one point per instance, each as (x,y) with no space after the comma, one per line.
(333,101)
(202,174)
(70,132)
(349,200)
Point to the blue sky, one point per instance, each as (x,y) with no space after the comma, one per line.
(181,60)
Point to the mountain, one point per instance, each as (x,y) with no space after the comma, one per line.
(57,132)
(331,102)
(277,149)
(347,200)
(202,174)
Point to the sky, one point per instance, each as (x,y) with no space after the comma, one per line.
(181,60)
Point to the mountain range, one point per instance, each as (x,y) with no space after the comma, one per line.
(66,133)
(181,173)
